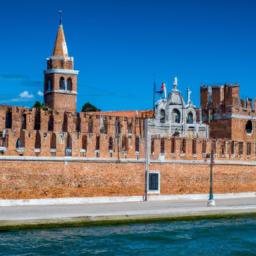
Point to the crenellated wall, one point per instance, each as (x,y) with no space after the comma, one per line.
(227,115)
(96,154)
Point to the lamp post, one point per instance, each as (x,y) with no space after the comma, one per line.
(147,158)
(211,201)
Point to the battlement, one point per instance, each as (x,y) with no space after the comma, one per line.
(119,141)
(225,99)
(227,115)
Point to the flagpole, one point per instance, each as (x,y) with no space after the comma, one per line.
(154,93)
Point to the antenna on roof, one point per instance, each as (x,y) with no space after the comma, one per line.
(60,14)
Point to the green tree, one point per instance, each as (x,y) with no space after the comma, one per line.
(39,105)
(88,107)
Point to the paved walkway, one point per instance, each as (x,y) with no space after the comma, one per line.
(20,215)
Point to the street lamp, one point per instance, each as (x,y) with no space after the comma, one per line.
(211,200)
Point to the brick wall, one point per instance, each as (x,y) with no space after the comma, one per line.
(43,179)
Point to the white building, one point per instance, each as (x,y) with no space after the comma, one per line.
(174,117)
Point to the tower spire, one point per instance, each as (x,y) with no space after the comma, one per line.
(60,46)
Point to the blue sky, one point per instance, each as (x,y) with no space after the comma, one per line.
(122,46)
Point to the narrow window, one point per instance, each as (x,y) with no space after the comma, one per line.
(78,122)
(62,84)
(38,140)
(124,144)
(240,148)
(152,146)
(97,146)
(137,144)
(37,124)
(69,145)
(50,123)
(110,143)
(173,146)
(153,182)
(176,116)
(232,147)
(190,119)
(65,123)
(53,141)
(23,122)
(162,116)
(248,148)
(204,147)
(194,151)
(69,84)
(8,119)
(49,85)
(84,142)
(183,146)
(162,146)
(223,148)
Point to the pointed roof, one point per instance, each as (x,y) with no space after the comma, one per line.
(60,47)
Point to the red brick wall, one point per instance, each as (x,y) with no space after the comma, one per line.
(41,179)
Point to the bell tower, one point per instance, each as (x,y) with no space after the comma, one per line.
(60,78)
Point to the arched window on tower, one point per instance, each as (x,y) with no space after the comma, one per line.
(8,119)
(69,84)
(190,119)
(49,84)
(62,83)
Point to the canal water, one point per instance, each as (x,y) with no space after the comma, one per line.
(203,237)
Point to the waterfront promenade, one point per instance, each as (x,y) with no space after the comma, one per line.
(15,216)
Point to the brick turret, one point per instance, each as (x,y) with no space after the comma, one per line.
(60,78)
